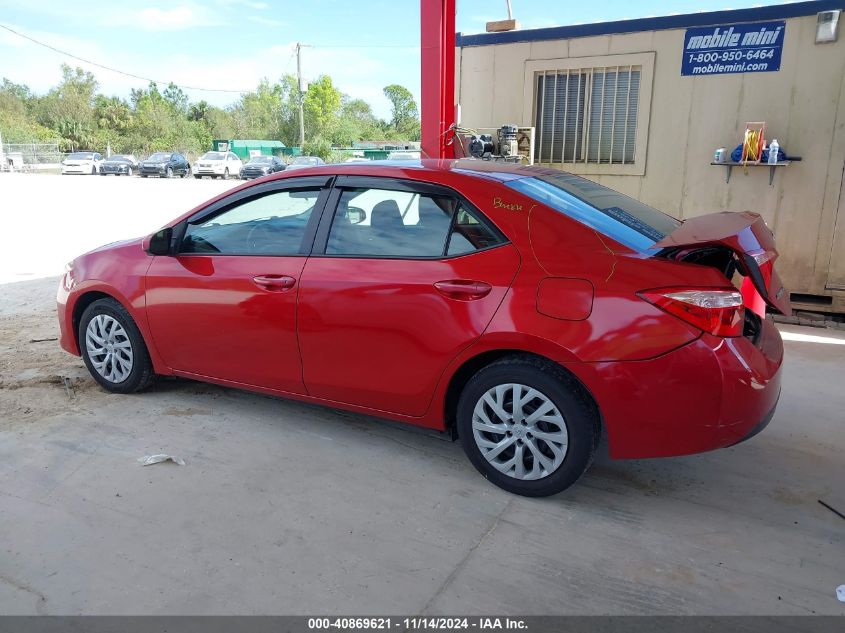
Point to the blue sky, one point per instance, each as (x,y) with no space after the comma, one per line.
(231,44)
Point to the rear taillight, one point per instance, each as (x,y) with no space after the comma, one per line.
(715,311)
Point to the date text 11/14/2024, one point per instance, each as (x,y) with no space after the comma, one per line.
(418,623)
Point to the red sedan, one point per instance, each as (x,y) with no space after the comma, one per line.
(526,311)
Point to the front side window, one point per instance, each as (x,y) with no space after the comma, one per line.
(272,224)
(392,223)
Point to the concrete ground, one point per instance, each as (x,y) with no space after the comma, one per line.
(48,219)
(289,508)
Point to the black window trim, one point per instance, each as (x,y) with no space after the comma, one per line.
(258,191)
(421,187)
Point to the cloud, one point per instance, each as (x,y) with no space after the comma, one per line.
(260,19)
(360,73)
(178,18)
(155,19)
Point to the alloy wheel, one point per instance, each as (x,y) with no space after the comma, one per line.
(520,431)
(109,348)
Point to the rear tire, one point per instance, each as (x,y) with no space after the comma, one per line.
(226,174)
(522,449)
(113,349)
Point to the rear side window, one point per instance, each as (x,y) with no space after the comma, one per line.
(628,221)
(373,222)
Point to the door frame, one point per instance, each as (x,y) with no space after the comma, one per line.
(421,187)
(221,206)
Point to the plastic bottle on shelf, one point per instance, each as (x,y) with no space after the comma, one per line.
(774,149)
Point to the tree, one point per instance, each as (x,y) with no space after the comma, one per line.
(75,113)
(322,107)
(317,146)
(258,114)
(71,104)
(198,111)
(404,113)
(17,122)
(19,92)
(356,122)
(177,99)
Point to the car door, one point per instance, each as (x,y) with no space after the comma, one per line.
(403,276)
(224,305)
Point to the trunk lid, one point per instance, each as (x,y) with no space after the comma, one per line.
(747,235)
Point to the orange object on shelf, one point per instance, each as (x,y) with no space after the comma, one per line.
(753,141)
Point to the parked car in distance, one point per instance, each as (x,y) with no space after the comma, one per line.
(119,165)
(305,161)
(525,311)
(218,165)
(261,166)
(403,155)
(82,163)
(165,165)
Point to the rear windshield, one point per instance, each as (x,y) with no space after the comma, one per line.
(628,221)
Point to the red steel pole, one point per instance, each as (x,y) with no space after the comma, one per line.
(437,75)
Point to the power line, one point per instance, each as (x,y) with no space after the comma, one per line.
(409,46)
(183,86)
(115,70)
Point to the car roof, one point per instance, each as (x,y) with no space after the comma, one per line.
(493,170)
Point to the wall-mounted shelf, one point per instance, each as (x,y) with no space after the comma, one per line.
(729,165)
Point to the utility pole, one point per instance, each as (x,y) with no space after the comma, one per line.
(299,86)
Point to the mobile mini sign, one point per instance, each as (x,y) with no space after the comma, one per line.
(733,48)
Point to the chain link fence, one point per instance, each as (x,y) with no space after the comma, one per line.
(30,156)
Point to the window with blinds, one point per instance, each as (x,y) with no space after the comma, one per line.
(587,115)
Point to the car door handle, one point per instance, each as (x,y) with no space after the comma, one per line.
(275,283)
(463,289)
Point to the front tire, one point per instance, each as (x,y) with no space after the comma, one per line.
(169,173)
(113,349)
(129,172)
(527,426)
(226,174)
(187,173)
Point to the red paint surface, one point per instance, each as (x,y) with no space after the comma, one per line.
(437,75)
(566,299)
(386,337)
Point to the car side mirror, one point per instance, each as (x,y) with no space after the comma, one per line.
(159,243)
(355,215)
